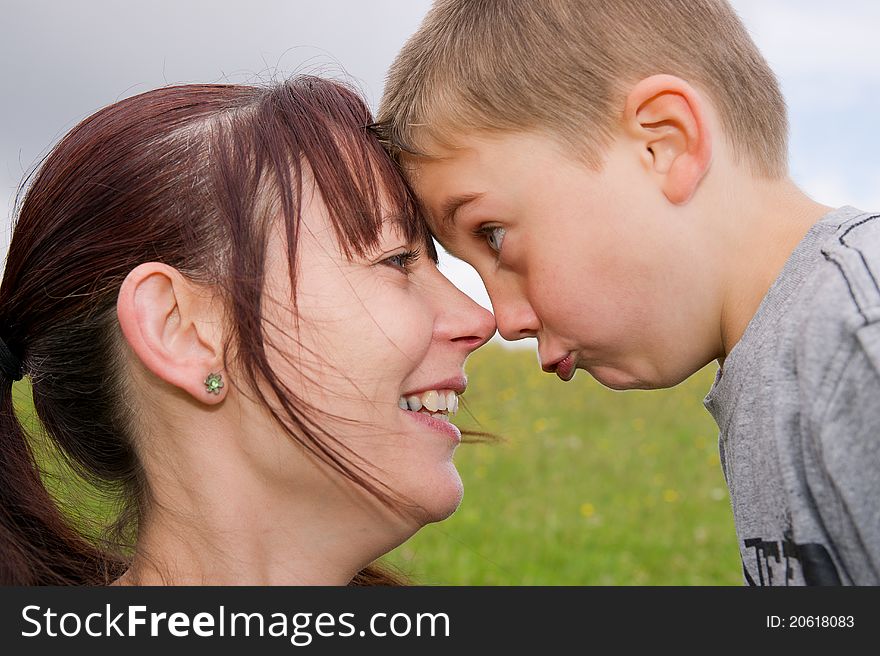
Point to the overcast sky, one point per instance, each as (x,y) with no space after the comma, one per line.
(60,61)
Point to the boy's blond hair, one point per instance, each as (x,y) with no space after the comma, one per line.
(564,67)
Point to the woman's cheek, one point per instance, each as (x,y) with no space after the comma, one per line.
(410,326)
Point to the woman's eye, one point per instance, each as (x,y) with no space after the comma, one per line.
(402,261)
(494,237)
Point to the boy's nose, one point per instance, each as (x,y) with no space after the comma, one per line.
(515,321)
(514,314)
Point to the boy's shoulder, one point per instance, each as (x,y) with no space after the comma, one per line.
(854,251)
(846,290)
(840,304)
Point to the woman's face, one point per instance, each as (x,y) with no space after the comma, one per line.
(367,338)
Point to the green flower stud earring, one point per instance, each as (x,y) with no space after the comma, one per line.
(214,383)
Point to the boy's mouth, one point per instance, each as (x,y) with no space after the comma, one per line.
(563,368)
(439,404)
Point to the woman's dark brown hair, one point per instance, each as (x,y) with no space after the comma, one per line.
(190,176)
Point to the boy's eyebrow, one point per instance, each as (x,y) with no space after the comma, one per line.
(451,206)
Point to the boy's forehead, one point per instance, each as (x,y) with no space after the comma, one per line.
(450,177)
(444,186)
(455,147)
(478,154)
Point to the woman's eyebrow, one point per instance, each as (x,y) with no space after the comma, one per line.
(398,221)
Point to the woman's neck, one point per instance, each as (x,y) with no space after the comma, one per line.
(220,521)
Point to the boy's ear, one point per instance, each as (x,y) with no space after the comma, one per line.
(172,328)
(667,118)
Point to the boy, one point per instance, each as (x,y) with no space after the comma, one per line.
(615,171)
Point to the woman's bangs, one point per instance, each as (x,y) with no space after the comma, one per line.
(361,186)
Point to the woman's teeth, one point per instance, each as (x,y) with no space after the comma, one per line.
(437,403)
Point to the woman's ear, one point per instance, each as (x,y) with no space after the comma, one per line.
(173,329)
(666,116)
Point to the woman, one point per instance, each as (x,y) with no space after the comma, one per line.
(229,311)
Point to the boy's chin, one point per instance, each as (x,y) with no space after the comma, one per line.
(621,379)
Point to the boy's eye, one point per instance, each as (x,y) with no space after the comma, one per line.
(403,260)
(494,236)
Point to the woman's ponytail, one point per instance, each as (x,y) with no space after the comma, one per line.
(37,545)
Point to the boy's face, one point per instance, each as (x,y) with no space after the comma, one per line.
(597,265)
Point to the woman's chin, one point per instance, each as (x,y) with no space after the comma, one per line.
(441,500)
(450,504)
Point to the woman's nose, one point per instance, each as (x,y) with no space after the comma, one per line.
(462,320)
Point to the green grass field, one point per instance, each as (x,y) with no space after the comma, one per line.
(588,486)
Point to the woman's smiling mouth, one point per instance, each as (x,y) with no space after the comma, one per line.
(437,403)
(433,406)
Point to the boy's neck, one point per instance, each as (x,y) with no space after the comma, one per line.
(765,222)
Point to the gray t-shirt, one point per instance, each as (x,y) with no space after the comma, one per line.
(798,407)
